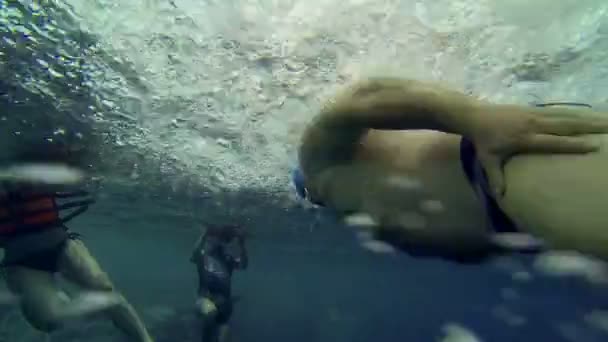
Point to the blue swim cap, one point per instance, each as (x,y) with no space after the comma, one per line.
(299,182)
(297,178)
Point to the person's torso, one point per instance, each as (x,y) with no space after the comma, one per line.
(217,270)
(26,213)
(561,198)
(430,157)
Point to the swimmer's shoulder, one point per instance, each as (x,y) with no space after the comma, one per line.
(337,130)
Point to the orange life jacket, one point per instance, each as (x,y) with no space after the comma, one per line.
(26,212)
(22,212)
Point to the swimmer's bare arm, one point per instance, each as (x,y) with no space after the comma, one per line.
(498,131)
(242,261)
(396,104)
(195,257)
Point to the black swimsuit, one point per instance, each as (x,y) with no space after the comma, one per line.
(215,282)
(499,221)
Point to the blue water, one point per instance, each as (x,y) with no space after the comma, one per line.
(319,285)
(308,278)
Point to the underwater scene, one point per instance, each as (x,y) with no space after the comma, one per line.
(207,203)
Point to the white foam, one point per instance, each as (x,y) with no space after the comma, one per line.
(404,183)
(568,263)
(598,319)
(516,241)
(247,76)
(42,173)
(362,220)
(86,303)
(431,206)
(368,242)
(379,247)
(457,333)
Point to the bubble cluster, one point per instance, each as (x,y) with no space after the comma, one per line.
(216,93)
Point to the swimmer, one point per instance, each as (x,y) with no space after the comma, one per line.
(441,174)
(38,246)
(215,266)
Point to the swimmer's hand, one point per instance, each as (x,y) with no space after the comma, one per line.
(502,131)
(205,306)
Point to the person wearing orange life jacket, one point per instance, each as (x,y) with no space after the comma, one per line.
(25,212)
(38,246)
(28,211)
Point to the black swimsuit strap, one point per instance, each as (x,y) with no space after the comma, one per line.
(500,222)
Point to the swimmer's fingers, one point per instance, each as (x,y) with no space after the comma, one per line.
(546,143)
(572,125)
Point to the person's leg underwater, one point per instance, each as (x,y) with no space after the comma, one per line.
(40,299)
(224,313)
(30,265)
(224,330)
(77,265)
(209,312)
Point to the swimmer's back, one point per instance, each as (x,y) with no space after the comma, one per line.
(561,197)
(369,181)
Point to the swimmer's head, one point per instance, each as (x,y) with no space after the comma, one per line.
(225,233)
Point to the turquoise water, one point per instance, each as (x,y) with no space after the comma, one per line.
(318,286)
(308,280)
